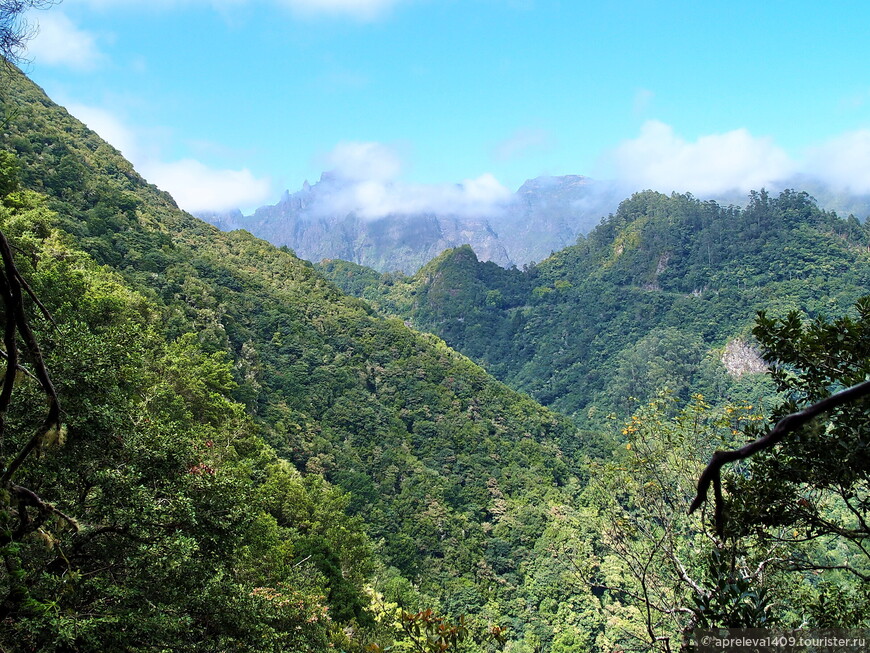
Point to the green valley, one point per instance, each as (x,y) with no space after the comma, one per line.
(650,299)
(249,458)
(418,472)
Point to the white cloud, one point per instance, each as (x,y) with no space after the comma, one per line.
(843,162)
(59,42)
(197,187)
(370,199)
(522,142)
(660,160)
(366,182)
(356,161)
(194,185)
(109,128)
(361,9)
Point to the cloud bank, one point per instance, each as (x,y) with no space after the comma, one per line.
(197,187)
(59,42)
(356,162)
(366,181)
(366,177)
(843,162)
(718,164)
(194,185)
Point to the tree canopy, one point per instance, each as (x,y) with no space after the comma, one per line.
(246,458)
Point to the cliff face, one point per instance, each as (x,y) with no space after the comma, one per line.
(545,215)
(739,357)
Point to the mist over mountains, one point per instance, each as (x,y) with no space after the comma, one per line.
(394,229)
(543,216)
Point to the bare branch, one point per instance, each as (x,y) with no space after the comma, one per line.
(30,498)
(12,348)
(15,31)
(20,368)
(818,567)
(845,495)
(29,291)
(10,288)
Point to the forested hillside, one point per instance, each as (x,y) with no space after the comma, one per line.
(646,326)
(244,458)
(649,299)
(189,362)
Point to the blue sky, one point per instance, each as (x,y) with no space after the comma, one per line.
(454,103)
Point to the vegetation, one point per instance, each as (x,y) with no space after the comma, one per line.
(664,572)
(225,452)
(148,515)
(357,457)
(648,300)
(810,492)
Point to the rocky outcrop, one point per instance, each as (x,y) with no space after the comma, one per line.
(740,357)
(545,215)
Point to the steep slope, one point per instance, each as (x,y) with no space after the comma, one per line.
(454,474)
(545,215)
(641,302)
(152,516)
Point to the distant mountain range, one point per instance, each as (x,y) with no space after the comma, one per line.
(545,215)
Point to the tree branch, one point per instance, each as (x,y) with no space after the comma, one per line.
(789,423)
(21,369)
(11,287)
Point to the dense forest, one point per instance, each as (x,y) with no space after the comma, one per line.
(652,298)
(247,459)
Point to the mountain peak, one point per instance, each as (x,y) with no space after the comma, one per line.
(317,222)
(547,183)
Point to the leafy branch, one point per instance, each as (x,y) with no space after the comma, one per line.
(788,424)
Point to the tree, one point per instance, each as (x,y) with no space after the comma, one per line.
(23,511)
(14,28)
(153,517)
(428,632)
(807,482)
(662,573)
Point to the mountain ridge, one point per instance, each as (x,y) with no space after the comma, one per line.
(544,215)
(663,274)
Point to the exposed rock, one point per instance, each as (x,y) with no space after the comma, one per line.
(545,215)
(741,358)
